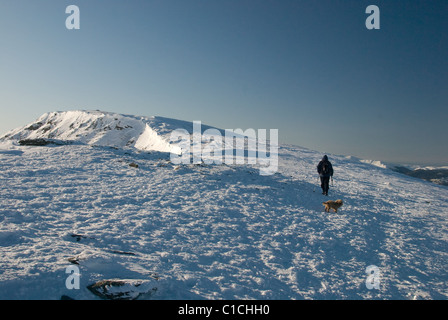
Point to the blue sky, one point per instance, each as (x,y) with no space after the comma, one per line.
(308,68)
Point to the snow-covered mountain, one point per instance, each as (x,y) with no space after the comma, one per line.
(193,142)
(433,174)
(101,129)
(138,226)
(380,164)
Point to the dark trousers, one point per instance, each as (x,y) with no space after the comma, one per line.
(325,184)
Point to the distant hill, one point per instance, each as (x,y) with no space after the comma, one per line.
(436,175)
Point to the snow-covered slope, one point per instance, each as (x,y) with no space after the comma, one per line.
(99,128)
(380,164)
(206,231)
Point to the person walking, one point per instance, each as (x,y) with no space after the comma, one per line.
(325,170)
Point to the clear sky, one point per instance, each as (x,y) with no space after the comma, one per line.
(309,68)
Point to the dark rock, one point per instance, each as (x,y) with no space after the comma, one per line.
(123,289)
(34,142)
(43,142)
(133,165)
(123,252)
(78,237)
(34,126)
(73,260)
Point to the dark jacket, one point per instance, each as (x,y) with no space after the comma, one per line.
(320,167)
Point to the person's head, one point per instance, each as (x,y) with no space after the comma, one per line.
(325,158)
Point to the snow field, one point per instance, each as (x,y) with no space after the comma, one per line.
(218,231)
(109,200)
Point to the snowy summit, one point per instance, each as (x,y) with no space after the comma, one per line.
(98,193)
(101,129)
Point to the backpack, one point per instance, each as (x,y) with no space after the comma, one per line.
(326,168)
